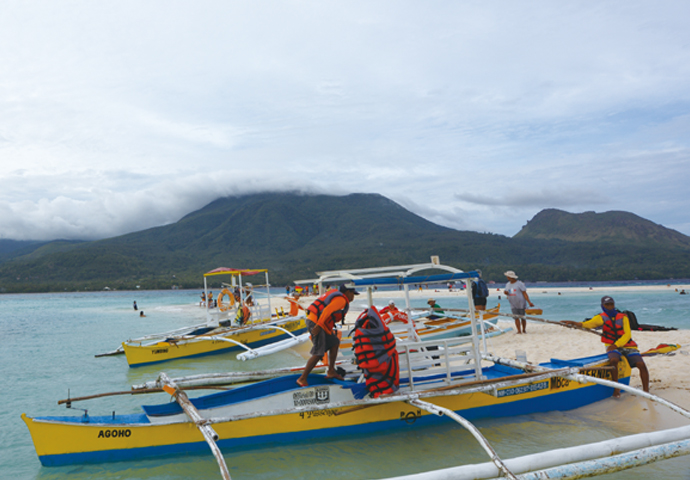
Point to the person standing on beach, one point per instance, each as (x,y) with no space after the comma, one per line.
(517,296)
(617,336)
(322,315)
(479,292)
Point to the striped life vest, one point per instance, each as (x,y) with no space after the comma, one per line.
(612,330)
(389,315)
(243,314)
(375,353)
(320,305)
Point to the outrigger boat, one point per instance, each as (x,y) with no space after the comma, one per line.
(448,382)
(237,322)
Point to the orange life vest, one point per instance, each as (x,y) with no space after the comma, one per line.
(294,306)
(376,354)
(320,305)
(392,314)
(612,330)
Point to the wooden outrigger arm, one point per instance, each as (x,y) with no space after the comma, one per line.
(203,425)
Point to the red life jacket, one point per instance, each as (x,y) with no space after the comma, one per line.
(613,330)
(320,305)
(376,354)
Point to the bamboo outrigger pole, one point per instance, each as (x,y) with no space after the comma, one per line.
(438,410)
(202,424)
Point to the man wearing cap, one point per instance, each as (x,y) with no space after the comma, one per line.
(322,315)
(517,296)
(617,336)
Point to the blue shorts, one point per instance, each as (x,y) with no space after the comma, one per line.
(632,355)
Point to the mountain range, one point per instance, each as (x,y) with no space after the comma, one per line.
(295,235)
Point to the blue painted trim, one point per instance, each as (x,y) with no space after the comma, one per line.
(553,402)
(444,277)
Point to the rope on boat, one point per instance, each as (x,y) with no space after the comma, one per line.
(202,424)
(440,411)
(536,319)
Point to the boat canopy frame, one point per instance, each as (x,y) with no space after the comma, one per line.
(236,281)
(406,275)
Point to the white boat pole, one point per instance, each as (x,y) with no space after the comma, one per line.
(208,317)
(601,455)
(268,294)
(473,328)
(616,463)
(440,411)
(204,427)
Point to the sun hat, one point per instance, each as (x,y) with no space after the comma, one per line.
(391,302)
(510,274)
(431,300)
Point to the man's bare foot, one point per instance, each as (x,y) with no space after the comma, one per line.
(334,375)
(302,383)
(616,394)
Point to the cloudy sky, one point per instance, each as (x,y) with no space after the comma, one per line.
(117,116)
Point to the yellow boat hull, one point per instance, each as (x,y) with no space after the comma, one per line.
(100,439)
(140,354)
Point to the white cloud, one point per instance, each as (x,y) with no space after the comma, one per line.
(475,115)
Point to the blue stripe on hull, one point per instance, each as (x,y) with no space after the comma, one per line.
(553,402)
(260,343)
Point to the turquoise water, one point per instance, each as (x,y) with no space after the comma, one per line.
(48,347)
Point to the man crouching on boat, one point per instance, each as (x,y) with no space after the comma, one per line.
(618,338)
(322,315)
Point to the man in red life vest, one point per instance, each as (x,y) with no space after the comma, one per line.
(322,315)
(618,339)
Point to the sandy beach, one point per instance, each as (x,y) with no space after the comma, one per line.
(668,373)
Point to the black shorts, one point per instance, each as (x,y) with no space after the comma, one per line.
(322,342)
(480,301)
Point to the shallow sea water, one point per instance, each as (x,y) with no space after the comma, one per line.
(48,347)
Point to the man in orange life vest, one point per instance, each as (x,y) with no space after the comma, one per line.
(618,339)
(322,315)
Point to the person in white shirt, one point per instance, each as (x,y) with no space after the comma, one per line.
(517,296)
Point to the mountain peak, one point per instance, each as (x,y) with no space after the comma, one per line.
(610,227)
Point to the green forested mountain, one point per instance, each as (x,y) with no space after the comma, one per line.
(296,235)
(621,228)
